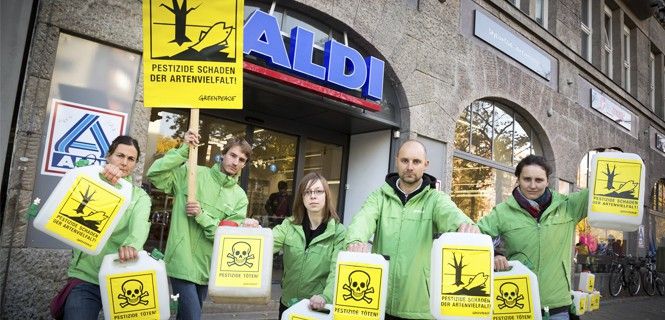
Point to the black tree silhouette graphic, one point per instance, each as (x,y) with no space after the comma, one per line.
(610,176)
(458,269)
(180,13)
(85,199)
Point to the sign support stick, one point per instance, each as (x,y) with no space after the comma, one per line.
(193,156)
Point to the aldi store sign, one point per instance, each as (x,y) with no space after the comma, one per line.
(343,66)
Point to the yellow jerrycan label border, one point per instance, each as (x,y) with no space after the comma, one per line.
(358,291)
(617,186)
(85,212)
(512,298)
(299,317)
(133,295)
(239,261)
(465,289)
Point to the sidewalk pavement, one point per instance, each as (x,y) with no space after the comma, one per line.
(629,308)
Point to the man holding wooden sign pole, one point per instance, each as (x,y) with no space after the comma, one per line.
(193,58)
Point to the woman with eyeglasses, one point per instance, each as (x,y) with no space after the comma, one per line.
(537,226)
(310,240)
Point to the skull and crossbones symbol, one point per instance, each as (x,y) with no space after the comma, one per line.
(510,296)
(132,293)
(358,286)
(241,252)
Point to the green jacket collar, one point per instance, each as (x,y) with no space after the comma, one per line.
(222,178)
(330,231)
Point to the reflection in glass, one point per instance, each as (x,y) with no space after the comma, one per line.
(273,160)
(658,196)
(478,188)
(462,131)
(503,137)
(522,140)
(481,129)
(214,135)
(326,159)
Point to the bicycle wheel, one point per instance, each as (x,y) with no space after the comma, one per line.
(648,281)
(616,281)
(660,285)
(634,282)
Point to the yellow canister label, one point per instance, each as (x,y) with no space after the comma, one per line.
(582,306)
(617,187)
(465,282)
(240,262)
(595,302)
(85,212)
(590,283)
(512,298)
(358,291)
(133,295)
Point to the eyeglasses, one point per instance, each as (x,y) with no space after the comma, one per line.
(309,193)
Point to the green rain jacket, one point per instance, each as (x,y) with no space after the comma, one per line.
(189,247)
(132,230)
(546,246)
(404,232)
(308,271)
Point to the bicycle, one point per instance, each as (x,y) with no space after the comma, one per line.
(649,275)
(624,274)
(660,283)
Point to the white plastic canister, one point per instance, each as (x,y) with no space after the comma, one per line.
(84,209)
(616,191)
(361,286)
(462,269)
(595,301)
(516,294)
(301,311)
(135,289)
(579,302)
(241,266)
(587,282)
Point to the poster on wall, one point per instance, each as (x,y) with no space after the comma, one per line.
(76,131)
(193,53)
(660,142)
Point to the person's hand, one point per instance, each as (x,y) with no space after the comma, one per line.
(193,208)
(501,263)
(192,138)
(127,253)
(468,228)
(317,302)
(359,247)
(112,173)
(250,223)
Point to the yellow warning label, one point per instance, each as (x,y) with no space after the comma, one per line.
(617,187)
(512,298)
(358,291)
(465,282)
(133,295)
(192,53)
(239,262)
(590,283)
(85,212)
(299,317)
(582,306)
(595,302)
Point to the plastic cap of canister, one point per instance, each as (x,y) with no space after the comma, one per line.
(227,223)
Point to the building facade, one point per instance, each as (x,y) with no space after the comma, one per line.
(482,83)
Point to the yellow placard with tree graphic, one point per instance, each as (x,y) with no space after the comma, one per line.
(239,262)
(85,212)
(133,295)
(617,186)
(465,282)
(512,298)
(193,53)
(358,291)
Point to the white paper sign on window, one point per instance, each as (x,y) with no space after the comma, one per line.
(612,110)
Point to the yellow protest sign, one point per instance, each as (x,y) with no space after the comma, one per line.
(617,186)
(192,53)
(358,291)
(240,262)
(133,295)
(465,282)
(85,212)
(512,298)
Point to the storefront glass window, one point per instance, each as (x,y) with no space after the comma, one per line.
(495,133)
(327,160)
(658,196)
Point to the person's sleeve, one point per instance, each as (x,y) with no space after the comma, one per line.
(447,216)
(139,224)
(210,223)
(364,222)
(268,206)
(167,171)
(489,224)
(278,237)
(340,245)
(578,202)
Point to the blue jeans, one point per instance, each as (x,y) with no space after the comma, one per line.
(84,302)
(560,316)
(191,298)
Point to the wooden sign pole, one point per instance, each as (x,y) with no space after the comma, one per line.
(193,156)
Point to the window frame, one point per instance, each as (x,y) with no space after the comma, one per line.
(586,27)
(606,41)
(544,11)
(652,81)
(626,72)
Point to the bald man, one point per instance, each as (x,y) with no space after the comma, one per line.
(403,216)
